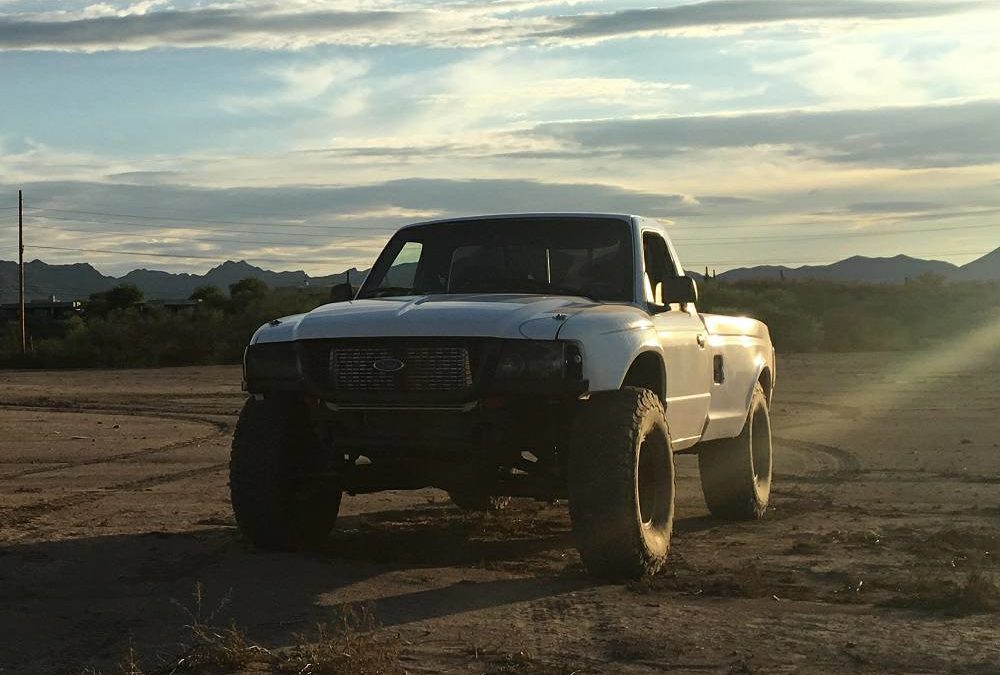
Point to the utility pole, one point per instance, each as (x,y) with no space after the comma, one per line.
(20,270)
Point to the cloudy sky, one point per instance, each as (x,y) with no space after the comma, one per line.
(297,135)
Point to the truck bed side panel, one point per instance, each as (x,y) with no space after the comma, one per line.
(744,346)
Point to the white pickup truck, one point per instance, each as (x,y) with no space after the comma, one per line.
(552,356)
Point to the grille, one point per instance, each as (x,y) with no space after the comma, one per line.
(426,368)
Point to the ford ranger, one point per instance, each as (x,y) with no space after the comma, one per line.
(549,356)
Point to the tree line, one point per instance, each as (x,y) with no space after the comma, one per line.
(116,331)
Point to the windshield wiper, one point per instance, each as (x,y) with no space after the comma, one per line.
(550,289)
(389,291)
(564,290)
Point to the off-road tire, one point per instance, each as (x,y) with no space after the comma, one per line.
(477,500)
(736,472)
(274,451)
(621,484)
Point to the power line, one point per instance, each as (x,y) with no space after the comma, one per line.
(684,226)
(180,238)
(678,238)
(171,255)
(226,230)
(831,235)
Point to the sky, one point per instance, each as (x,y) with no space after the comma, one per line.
(300,134)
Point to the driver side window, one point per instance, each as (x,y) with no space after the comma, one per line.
(403,271)
(657,265)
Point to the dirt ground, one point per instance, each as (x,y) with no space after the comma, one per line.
(880,552)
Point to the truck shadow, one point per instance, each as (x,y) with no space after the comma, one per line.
(80,602)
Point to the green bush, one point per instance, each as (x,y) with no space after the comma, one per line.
(128,336)
(812,315)
(803,316)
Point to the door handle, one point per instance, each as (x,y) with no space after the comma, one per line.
(701,340)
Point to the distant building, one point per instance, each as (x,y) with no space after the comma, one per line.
(42,309)
(171,306)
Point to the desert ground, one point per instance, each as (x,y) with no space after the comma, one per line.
(879,554)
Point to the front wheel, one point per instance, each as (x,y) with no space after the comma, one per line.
(275,455)
(621,484)
(736,472)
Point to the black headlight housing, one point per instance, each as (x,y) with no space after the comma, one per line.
(538,361)
(271,365)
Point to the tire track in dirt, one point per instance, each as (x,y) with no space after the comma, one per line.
(21,515)
(844,463)
(69,406)
(221,429)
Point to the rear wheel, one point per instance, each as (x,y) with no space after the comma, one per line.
(621,484)
(736,472)
(275,456)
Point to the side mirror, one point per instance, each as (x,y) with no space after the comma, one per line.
(680,290)
(341,292)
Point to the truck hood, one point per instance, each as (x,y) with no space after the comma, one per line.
(537,317)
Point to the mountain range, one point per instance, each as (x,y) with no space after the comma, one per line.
(78,280)
(863,269)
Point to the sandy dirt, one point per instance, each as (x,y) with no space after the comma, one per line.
(114,505)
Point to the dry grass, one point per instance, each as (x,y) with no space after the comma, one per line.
(523,662)
(354,645)
(211,646)
(128,665)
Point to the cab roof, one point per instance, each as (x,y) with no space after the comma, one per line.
(515,216)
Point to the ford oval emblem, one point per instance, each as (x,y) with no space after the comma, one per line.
(388,364)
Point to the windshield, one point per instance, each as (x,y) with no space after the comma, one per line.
(556,256)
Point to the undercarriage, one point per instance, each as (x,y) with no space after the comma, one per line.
(502,447)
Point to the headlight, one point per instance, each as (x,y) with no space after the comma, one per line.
(271,361)
(537,360)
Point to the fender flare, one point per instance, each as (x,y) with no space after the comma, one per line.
(657,353)
(611,338)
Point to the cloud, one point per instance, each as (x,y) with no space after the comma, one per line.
(396,200)
(720,13)
(960,134)
(271,26)
(893,207)
(301,84)
(144,177)
(346,224)
(228,27)
(498,89)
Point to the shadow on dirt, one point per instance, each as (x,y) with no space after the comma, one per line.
(92,596)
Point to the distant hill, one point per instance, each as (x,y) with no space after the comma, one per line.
(856,268)
(862,269)
(79,280)
(986,268)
